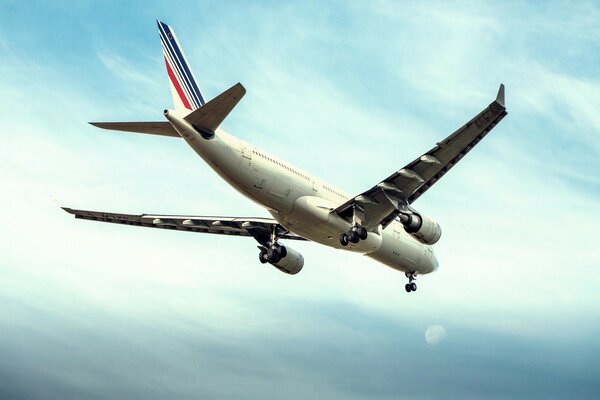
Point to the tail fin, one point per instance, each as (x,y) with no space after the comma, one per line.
(187,96)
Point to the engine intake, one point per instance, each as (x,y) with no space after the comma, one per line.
(291,264)
(422,228)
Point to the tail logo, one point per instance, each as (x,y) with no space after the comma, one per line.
(180,75)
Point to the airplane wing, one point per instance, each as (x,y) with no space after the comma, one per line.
(382,203)
(258,228)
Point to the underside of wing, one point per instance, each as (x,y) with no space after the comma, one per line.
(381,203)
(434,164)
(258,228)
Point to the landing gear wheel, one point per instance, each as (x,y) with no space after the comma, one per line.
(263,257)
(362,233)
(344,239)
(353,237)
(411,286)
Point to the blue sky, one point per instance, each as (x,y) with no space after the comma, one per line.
(101,311)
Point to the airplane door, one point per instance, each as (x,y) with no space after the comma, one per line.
(247,152)
(280,187)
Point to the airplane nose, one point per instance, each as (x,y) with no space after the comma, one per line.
(431,260)
(434,261)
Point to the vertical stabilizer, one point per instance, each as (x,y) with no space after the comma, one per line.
(186,94)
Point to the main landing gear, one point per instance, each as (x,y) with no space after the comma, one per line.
(411,286)
(354,235)
(274,252)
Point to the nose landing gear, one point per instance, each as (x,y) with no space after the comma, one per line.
(411,286)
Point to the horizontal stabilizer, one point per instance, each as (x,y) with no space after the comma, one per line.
(211,115)
(162,128)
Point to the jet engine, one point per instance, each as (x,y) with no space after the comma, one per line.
(422,228)
(283,258)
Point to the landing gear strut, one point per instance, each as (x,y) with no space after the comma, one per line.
(411,286)
(274,252)
(357,232)
(354,235)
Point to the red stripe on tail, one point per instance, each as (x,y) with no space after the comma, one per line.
(185,101)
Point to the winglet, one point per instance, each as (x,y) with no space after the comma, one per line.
(69,210)
(500,96)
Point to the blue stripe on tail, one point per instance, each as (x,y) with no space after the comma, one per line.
(179,65)
(177,70)
(170,43)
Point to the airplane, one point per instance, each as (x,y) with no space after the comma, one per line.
(380,222)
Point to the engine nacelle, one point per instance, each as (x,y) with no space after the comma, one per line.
(424,229)
(292,263)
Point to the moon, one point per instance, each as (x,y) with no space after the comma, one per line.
(435,334)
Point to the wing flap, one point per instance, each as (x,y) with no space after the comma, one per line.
(258,228)
(382,202)
(452,149)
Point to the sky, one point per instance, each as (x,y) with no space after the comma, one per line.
(350,92)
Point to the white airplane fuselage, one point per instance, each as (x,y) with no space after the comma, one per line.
(300,202)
